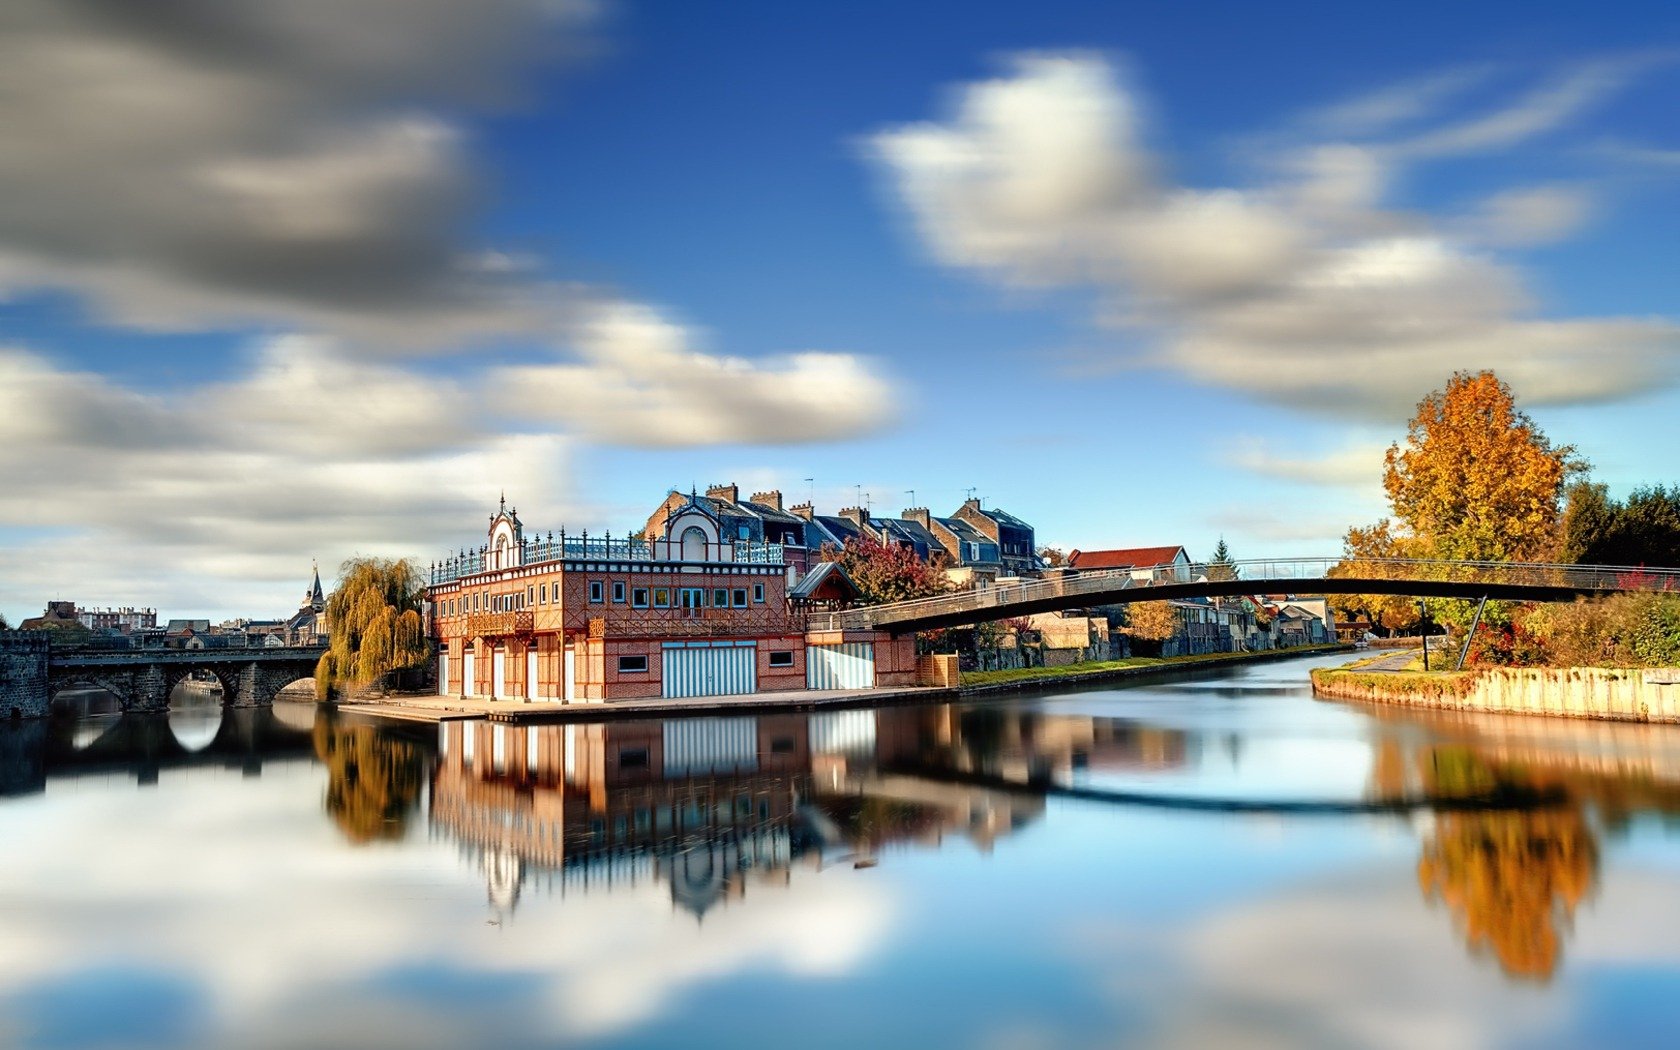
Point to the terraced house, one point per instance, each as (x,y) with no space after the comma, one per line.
(697,605)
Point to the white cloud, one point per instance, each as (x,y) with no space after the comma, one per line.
(214,499)
(642,382)
(1530,215)
(1305,292)
(292,163)
(1358,466)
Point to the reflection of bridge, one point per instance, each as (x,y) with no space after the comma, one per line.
(1514,581)
(142,679)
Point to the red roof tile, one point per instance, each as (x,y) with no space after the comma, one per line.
(1142,557)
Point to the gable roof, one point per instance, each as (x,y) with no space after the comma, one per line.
(828,576)
(1125,557)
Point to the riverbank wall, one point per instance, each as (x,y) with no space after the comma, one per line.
(1617,694)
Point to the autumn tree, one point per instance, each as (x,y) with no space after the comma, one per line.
(1477,480)
(373,624)
(1367,553)
(885,572)
(1152,621)
(1052,557)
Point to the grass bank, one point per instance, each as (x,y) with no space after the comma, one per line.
(1102,670)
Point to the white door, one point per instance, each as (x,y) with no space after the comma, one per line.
(709,668)
(498,674)
(469,683)
(850,665)
(568,677)
(531,673)
(443,674)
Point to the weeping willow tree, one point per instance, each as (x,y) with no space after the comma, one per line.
(373,624)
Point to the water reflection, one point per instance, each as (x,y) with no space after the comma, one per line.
(709,807)
(373,779)
(1514,879)
(627,882)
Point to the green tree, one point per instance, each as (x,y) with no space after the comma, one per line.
(373,624)
(1221,566)
(886,572)
(1643,530)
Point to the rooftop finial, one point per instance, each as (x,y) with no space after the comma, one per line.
(504,501)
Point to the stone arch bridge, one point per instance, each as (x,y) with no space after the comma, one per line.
(142,679)
(1513,581)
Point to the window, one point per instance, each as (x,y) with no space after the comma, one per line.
(543,594)
(758,593)
(743,532)
(478,598)
(632,664)
(596,592)
(740,597)
(530,594)
(639,598)
(692,599)
(720,598)
(781,658)
(661,597)
(618,593)
(632,758)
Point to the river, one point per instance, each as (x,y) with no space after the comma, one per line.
(1188,862)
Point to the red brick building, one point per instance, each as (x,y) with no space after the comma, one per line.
(689,610)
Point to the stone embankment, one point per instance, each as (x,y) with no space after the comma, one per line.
(1619,694)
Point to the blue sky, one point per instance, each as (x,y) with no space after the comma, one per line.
(301,283)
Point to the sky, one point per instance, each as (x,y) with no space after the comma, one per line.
(293,283)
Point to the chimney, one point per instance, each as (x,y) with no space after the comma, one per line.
(804,510)
(856,515)
(919,515)
(728,492)
(773,498)
(971,504)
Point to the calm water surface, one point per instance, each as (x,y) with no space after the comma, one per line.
(1220,861)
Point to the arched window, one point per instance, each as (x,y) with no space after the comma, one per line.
(694,544)
(502,553)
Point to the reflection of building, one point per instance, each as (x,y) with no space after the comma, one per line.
(710,807)
(694,610)
(706,806)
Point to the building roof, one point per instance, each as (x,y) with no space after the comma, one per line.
(829,580)
(1124,558)
(1003,517)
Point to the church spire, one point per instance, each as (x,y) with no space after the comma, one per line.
(315,595)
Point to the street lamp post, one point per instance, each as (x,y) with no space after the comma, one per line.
(1423,631)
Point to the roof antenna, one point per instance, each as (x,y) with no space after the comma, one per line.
(812,491)
(912,494)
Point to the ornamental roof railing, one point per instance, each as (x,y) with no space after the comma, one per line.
(585,547)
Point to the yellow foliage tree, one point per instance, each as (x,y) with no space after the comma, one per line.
(373,624)
(1154,621)
(1477,479)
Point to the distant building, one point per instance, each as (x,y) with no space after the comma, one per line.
(126,619)
(1146,563)
(58,615)
(308,626)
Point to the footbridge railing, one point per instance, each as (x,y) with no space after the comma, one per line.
(1077,588)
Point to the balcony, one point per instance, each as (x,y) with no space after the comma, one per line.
(499,624)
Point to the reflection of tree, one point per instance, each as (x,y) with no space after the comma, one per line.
(373,780)
(1512,877)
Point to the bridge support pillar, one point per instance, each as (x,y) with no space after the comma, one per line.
(247,688)
(148,691)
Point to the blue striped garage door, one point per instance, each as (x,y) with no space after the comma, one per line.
(709,668)
(847,666)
